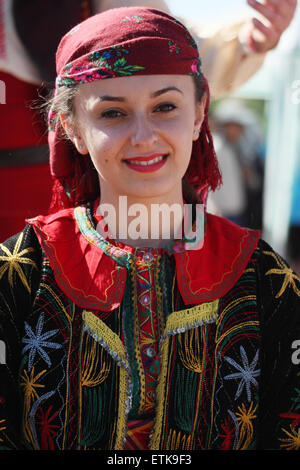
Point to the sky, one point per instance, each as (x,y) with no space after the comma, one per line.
(209,10)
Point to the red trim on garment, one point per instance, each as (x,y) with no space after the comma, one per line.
(210,272)
(80,268)
(94,280)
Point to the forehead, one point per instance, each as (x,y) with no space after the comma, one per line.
(144,85)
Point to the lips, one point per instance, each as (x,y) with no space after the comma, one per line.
(146,163)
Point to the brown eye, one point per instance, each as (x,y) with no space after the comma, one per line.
(112,114)
(165,108)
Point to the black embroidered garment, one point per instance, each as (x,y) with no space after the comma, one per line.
(71,376)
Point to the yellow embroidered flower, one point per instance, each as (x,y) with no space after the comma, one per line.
(29,385)
(245,418)
(13,261)
(292,442)
(2,428)
(289,276)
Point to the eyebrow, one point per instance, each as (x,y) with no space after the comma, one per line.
(165,90)
(153,95)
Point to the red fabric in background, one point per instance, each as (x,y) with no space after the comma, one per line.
(20,126)
(25,191)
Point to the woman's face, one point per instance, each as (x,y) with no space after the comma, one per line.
(138,131)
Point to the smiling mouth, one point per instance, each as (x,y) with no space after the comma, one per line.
(146,161)
(146,164)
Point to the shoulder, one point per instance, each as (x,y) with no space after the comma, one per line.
(19,245)
(274,270)
(20,260)
(212,269)
(278,292)
(279,314)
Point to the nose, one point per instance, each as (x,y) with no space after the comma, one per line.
(143,133)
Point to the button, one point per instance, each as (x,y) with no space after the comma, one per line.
(148,257)
(145,299)
(150,352)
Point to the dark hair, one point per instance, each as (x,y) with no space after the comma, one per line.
(83,185)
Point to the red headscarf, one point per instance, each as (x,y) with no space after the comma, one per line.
(119,43)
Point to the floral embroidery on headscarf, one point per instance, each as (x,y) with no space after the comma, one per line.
(196,67)
(135,18)
(107,64)
(191,41)
(173,47)
(74,30)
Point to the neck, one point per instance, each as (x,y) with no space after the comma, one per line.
(144,222)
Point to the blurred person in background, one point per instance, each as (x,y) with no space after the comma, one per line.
(293,242)
(230,56)
(239,144)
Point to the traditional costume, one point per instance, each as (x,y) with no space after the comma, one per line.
(113,347)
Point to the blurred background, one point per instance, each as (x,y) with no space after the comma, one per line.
(261,123)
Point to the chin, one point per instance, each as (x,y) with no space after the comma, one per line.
(150,191)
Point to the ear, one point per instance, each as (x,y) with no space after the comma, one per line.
(73,134)
(199,116)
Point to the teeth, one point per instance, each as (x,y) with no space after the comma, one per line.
(150,162)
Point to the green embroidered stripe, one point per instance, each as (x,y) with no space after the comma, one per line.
(114,346)
(162,399)
(128,323)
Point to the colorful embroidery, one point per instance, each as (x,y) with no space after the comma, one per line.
(74,30)
(138,432)
(148,326)
(196,67)
(100,65)
(76,364)
(247,373)
(173,47)
(107,338)
(295,417)
(49,430)
(296,399)
(29,385)
(14,259)
(2,427)
(246,431)
(290,278)
(191,41)
(121,256)
(134,18)
(292,442)
(180,321)
(36,342)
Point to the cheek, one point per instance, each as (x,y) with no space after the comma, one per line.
(100,146)
(102,160)
(179,133)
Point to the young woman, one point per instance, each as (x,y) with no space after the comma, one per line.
(114,341)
